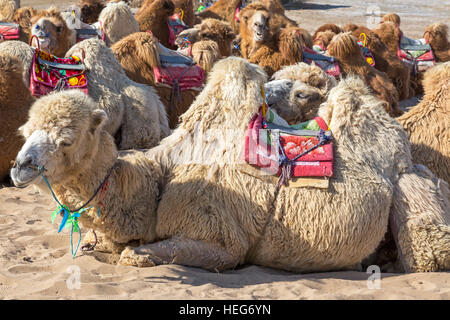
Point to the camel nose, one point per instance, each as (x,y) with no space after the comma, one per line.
(27,162)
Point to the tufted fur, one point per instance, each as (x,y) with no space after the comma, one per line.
(428,123)
(15,100)
(437,36)
(22,16)
(7,9)
(327,27)
(346,49)
(90,10)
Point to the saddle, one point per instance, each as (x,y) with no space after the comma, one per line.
(368,56)
(49,73)
(416,54)
(328,64)
(9,31)
(84,34)
(300,150)
(176,26)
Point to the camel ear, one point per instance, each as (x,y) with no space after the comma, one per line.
(98,118)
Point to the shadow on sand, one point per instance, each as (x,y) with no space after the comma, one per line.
(294,5)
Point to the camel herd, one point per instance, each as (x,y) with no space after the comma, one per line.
(161,165)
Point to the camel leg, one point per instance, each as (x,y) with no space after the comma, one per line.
(182,251)
(420,221)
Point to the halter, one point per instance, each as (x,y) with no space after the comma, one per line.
(70,217)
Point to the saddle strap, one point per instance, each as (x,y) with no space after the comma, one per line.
(78,67)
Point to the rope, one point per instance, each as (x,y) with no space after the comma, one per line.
(71,216)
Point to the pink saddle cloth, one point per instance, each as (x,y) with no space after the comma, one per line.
(9,31)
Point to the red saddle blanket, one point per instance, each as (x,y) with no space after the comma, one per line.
(415,54)
(9,31)
(306,147)
(49,73)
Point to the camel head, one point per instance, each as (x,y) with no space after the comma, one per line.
(392,17)
(62,136)
(220,32)
(53,34)
(345,47)
(192,35)
(297,91)
(90,10)
(437,36)
(255,23)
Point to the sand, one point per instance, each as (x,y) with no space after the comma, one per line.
(35,261)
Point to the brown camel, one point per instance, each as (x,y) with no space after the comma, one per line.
(90,10)
(15,100)
(22,16)
(345,48)
(259,45)
(153,17)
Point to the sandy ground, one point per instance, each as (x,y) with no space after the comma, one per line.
(35,262)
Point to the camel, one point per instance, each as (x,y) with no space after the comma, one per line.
(7,9)
(90,10)
(210,29)
(153,17)
(259,45)
(212,213)
(297,91)
(136,117)
(392,17)
(15,100)
(327,27)
(223,10)
(428,123)
(185,8)
(385,61)
(52,33)
(117,21)
(22,16)
(138,55)
(345,48)
(84,154)
(437,36)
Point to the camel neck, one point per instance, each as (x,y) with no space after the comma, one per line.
(82,185)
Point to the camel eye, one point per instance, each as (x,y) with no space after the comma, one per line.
(300,95)
(66,144)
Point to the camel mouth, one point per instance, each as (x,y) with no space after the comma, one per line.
(259,36)
(23,177)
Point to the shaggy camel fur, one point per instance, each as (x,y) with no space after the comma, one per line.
(428,123)
(67,134)
(54,36)
(327,27)
(22,16)
(259,45)
(117,21)
(437,36)
(297,91)
(138,55)
(218,31)
(185,7)
(7,9)
(216,215)
(153,17)
(323,38)
(389,33)
(222,10)
(345,48)
(136,117)
(385,61)
(90,10)
(15,100)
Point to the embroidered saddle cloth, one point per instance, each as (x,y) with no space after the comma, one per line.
(49,73)
(9,31)
(178,70)
(176,26)
(328,64)
(270,143)
(416,54)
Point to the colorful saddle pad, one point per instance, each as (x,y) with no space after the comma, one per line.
(9,31)
(271,143)
(49,73)
(176,26)
(416,54)
(328,64)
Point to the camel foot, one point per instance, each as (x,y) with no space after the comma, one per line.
(130,257)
